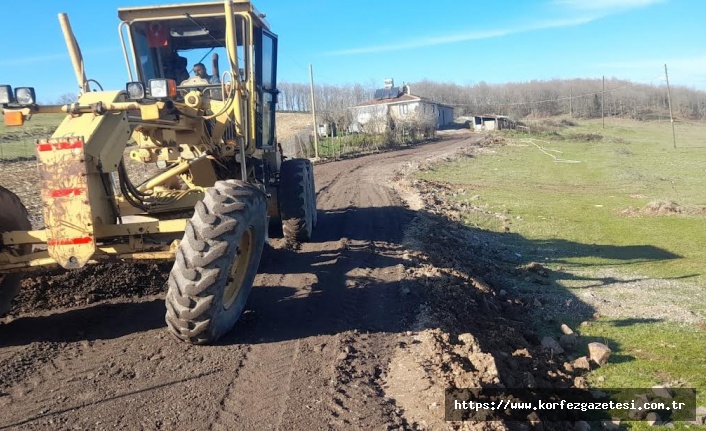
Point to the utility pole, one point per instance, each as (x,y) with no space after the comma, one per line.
(571,106)
(313,112)
(602,103)
(669,100)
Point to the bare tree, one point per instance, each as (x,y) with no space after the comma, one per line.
(66,98)
(517,99)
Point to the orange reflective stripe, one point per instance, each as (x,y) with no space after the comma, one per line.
(60,146)
(70,241)
(60,193)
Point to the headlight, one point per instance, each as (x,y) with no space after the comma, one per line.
(6,94)
(135,90)
(25,95)
(162,88)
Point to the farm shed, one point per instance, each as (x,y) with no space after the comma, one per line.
(491,122)
(327,128)
(392,106)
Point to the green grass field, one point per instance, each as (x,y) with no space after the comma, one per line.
(621,198)
(599,194)
(19,141)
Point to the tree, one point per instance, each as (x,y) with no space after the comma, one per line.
(596,105)
(66,98)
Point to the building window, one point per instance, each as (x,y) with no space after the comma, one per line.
(403,109)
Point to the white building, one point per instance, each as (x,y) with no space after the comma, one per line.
(394,106)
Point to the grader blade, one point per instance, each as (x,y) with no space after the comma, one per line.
(67,210)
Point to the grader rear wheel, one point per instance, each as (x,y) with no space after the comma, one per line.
(216,262)
(296,195)
(13,216)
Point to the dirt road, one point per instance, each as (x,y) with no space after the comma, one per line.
(310,352)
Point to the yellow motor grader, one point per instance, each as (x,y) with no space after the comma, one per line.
(219,180)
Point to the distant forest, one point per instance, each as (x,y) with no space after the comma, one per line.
(579,97)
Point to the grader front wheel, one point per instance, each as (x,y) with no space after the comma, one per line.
(216,262)
(13,216)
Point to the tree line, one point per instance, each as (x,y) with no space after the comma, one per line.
(582,98)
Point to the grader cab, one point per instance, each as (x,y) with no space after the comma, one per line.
(220,179)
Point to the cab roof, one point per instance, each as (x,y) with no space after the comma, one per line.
(195,10)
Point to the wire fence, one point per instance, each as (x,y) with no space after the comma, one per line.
(17,143)
(22,149)
(20,145)
(346,145)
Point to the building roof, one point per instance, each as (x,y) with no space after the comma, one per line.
(399,99)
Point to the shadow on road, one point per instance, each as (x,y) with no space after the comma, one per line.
(352,292)
(98,321)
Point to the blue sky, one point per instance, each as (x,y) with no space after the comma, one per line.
(365,41)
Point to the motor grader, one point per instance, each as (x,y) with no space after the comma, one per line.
(220,179)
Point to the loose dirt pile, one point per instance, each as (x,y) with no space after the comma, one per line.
(93,283)
(470,331)
(663,209)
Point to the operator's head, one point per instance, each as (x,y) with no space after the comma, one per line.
(200,70)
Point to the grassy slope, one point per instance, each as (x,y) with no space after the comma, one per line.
(582,202)
(579,206)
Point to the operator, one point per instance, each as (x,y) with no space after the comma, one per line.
(200,71)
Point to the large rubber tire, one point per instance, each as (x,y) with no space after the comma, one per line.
(13,216)
(216,262)
(295,196)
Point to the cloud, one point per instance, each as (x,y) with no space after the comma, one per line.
(605,5)
(465,36)
(580,12)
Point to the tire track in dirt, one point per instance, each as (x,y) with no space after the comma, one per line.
(327,315)
(257,395)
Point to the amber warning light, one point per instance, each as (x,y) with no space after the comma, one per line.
(14,118)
